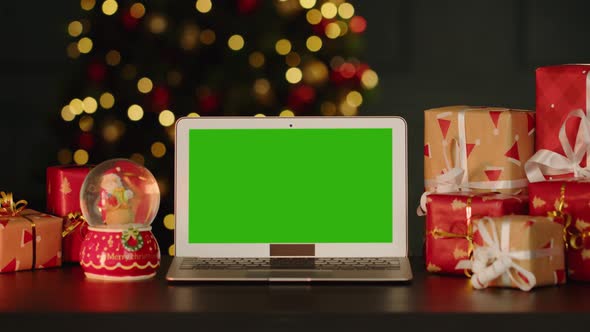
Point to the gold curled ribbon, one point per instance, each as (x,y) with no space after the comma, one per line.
(7,205)
(572,237)
(440,234)
(75,219)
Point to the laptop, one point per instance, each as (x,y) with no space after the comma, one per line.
(291,199)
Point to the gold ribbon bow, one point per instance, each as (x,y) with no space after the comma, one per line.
(7,205)
(73,220)
(132,232)
(440,234)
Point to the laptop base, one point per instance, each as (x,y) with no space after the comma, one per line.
(400,272)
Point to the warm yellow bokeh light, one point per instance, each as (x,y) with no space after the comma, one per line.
(166,118)
(90,105)
(172,250)
(314,16)
(113,57)
(66,113)
(106,100)
(260,115)
(85,45)
(256,59)
(329,10)
(332,30)
(207,37)
(80,157)
(144,85)
(135,112)
(113,131)
(203,6)
(354,98)
(193,115)
(109,7)
(138,158)
(158,149)
(137,10)
(169,221)
(86,123)
(314,43)
(347,110)
(345,10)
(292,59)
(76,106)
(287,113)
(157,24)
(64,156)
(283,47)
(75,28)
(307,4)
(293,75)
(87,4)
(369,79)
(72,50)
(235,42)
(261,86)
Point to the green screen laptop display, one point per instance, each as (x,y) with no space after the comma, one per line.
(290,186)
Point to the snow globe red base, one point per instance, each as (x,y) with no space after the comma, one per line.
(119,199)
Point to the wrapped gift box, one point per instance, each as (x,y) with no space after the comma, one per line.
(563,95)
(63,199)
(567,199)
(480,148)
(30,239)
(447,224)
(517,251)
(560,90)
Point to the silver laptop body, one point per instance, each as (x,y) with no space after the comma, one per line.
(212,246)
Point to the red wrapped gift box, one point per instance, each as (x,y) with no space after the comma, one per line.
(563,98)
(63,199)
(448,230)
(568,199)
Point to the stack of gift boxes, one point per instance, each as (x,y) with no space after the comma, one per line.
(507,192)
(35,240)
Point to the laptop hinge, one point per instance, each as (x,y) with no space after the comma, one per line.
(292,250)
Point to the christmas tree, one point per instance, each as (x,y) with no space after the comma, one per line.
(138,66)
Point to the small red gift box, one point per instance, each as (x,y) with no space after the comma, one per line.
(63,199)
(568,201)
(562,123)
(448,224)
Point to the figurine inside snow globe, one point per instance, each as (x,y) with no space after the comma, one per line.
(120,199)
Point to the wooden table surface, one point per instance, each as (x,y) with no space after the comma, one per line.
(36,298)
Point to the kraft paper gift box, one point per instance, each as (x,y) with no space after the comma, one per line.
(476,148)
(448,230)
(568,200)
(562,123)
(29,239)
(63,184)
(517,251)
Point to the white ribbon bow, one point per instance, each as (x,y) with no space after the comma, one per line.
(546,162)
(447,182)
(495,260)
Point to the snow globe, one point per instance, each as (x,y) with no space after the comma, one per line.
(119,199)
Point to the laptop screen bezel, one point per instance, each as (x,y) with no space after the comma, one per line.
(397,248)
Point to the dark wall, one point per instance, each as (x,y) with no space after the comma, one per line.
(428,53)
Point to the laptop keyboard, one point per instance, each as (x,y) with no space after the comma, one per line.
(356,263)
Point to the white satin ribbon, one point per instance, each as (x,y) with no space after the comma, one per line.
(495,260)
(547,162)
